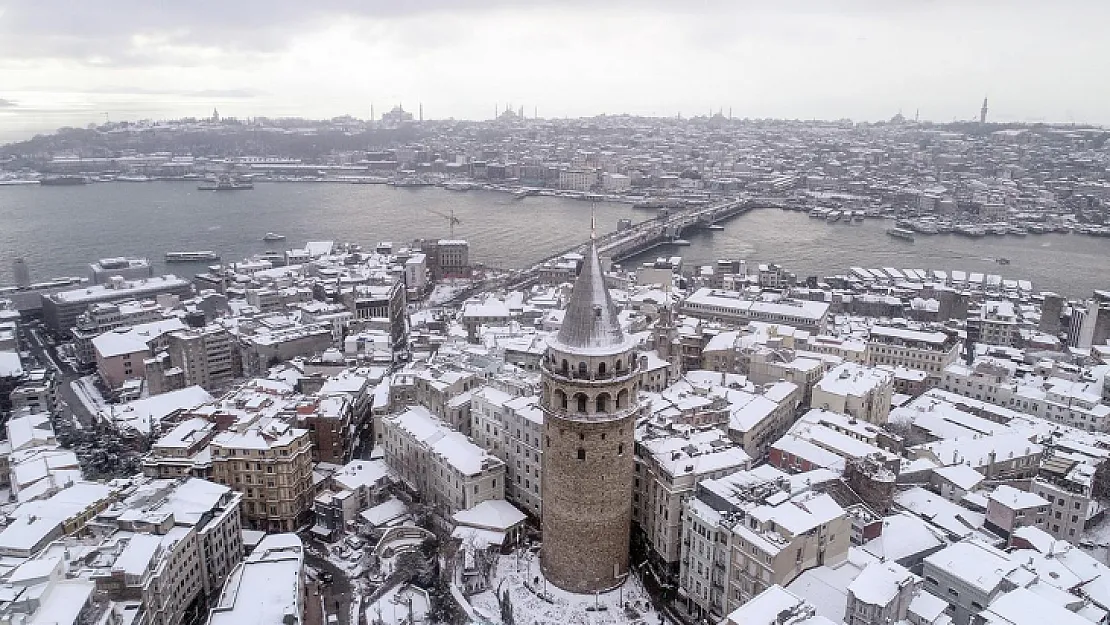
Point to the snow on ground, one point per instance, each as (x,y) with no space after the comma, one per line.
(444,291)
(560,607)
(86,391)
(1096,541)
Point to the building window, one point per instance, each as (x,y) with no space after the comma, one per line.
(581,453)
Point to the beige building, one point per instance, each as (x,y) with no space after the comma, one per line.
(930,352)
(270,463)
(751,530)
(182,451)
(859,391)
(170,543)
(443,465)
(670,462)
(510,427)
(207,357)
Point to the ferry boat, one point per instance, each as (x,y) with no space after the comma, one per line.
(191,257)
(225,183)
(133,178)
(901,233)
(715,227)
(680,242)
(833,217)
(1002,260)
(13,182)
(458,185)
(271,236)
(64,181)
(523,193)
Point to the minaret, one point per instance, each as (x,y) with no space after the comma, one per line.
(590,405)
(421,111)
(983,112)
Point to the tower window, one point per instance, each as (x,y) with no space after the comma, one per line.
(581,453)
(601,369)
(620,449)
(583,370)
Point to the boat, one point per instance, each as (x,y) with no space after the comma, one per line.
(64,181)
(458,185)
(901,233)
(1017,231)
(680,242)
(270,236)
(523,193)
(13,182)
(225,183)
(833,217)
(412,181)
(715,227)
(1002,261)
(133,178)
(191,257)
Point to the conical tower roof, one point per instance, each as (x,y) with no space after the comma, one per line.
(591,326)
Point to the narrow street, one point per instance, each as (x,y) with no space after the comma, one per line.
(336,594)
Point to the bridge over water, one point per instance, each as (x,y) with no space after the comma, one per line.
(622,244)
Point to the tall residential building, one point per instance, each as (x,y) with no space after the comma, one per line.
(590,406)
(270,463)
(751,530)
(207,357)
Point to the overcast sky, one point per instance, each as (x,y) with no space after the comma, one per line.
(76,62)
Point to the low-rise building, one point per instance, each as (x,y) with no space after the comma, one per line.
(860,391)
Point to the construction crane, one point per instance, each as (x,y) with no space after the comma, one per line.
(451,219)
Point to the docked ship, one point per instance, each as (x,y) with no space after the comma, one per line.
(225,183)
(272,236)
(523,193)
(901,233)
(64,181)
(191,257)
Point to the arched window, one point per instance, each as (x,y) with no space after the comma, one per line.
(581,400)
(601,370)
(602,402)
(622,399)
(566,367)
(620,365)
(583,370)
(560,399)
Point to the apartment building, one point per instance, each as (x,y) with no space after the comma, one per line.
(207,357)
(173,542)
(270,463)
(750,530)
(182,451)
(735,307)
(510,427)
(105,317)
(443,465)
(267,587)
(857,390)
(671,461)
(930,352)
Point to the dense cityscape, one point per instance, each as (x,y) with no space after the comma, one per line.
(377,432)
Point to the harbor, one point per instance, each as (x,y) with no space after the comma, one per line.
(152,219)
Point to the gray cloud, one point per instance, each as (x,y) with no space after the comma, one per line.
(102,33)
(7,104)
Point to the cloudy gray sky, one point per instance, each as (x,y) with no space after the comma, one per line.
(72,62)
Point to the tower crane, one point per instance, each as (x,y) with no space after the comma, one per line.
(451,219)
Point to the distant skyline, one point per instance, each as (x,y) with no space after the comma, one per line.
(64,63)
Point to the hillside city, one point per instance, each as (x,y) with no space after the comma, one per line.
(388,433)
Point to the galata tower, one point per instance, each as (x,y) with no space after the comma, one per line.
(590,404)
